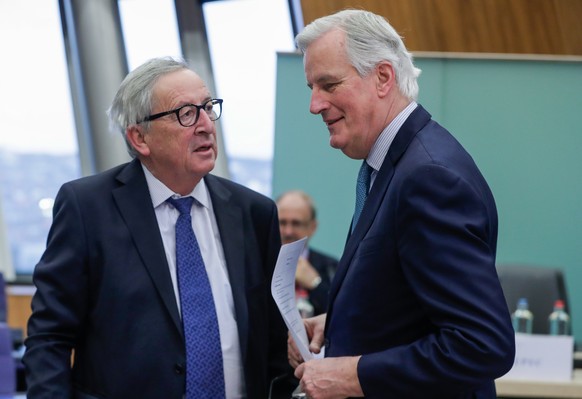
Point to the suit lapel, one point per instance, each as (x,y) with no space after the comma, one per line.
(229,220)
(415,122)
(135,206)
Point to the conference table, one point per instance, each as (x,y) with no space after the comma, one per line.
(507,388)
(513,388)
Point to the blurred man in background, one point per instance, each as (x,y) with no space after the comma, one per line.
(297,219)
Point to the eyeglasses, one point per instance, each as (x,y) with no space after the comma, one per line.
(188,114)
(294,223)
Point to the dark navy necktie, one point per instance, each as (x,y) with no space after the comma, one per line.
(362,188)
(204,370)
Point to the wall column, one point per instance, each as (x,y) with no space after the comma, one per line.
(97,65)
(197,53)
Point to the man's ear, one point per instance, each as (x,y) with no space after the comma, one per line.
(136,136)
(386,78)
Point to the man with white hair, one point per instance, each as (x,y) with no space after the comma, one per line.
(416,308)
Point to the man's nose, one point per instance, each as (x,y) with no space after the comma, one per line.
(286,229)
(318,102)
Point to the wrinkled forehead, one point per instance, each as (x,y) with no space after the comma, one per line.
(182,86)
(326,57)
(330,44)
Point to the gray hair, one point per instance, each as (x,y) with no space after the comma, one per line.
(133,100)
(370,39)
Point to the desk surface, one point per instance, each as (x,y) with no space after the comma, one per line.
(541,389)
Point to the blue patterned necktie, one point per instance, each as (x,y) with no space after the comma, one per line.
(204,370)
(362,188)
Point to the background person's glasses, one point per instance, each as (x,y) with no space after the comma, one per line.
(296,224)
(188,114)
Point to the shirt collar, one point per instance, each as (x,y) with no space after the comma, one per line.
(159,192)
(385,139)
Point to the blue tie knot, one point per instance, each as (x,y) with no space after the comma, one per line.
(183,205)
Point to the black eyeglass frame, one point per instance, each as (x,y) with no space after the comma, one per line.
(176,111)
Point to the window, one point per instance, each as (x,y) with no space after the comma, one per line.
(244,38)
(38,145)
(141,41)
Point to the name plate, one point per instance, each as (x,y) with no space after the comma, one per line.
(542,358)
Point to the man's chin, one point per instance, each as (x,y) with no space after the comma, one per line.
(334,142)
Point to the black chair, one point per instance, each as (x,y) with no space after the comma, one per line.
(3,300)
(7,365)
(16,336)
(541,286)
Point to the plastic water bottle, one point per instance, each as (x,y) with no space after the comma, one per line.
(559,320)
(522,318)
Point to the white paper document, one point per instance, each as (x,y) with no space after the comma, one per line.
(283,291)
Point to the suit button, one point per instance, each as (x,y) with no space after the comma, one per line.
(179,368)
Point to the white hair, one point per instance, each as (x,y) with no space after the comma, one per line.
(370,39)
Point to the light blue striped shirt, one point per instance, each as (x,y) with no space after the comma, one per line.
(382,144)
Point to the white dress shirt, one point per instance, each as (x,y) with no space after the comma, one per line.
(208,237)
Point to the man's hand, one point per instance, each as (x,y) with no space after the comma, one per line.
(314,327)
(306,274)
(330,378)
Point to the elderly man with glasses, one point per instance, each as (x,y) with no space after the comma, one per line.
(315,269)
(156,271)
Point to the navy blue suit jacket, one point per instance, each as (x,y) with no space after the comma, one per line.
(104,290)
(416,291)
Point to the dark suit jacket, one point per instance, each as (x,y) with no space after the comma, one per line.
(326,267)
(416,291)
(104,289)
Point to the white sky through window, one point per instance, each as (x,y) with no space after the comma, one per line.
(35,99)
(149,30)
(244,38)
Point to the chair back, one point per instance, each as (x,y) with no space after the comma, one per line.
(3,300)
(541,286)
(7,364)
